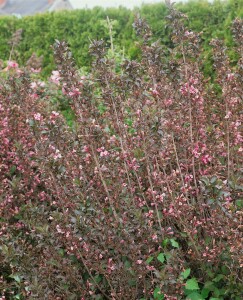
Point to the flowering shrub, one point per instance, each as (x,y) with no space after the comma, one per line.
(141,197)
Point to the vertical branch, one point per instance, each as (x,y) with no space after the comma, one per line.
(111,35)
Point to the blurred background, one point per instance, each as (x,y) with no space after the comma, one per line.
(29,7)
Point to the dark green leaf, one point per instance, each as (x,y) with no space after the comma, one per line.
(195,296)
(158,295)
(15,277)
(205,293)
(174,243)
(192,284)
(186,273)
(149,259)
(161,257)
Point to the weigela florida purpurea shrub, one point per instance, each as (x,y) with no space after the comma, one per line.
(140,199)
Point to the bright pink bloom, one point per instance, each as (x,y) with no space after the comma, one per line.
(12,65)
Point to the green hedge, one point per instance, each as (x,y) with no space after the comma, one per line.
(79,26)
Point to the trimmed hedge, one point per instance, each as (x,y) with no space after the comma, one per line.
(79,26)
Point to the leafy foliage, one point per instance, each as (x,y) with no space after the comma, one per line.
(139,196)
(80,26)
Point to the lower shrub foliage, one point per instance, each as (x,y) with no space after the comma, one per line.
(140,198)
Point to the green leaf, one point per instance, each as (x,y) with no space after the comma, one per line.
(183,234)
(205,293)
(213,179)
(15,277)
(158,295)
(132,282)
(97,278)
(225,270)
(165,242)
(149,259)
(31,122)
(192,284)
(195,296)
(107,129)
(174,243)
(186,273)
(218,277)
(168,256)
(217,292)
(161,258)
(239,203)
(210,274)
(127,264)
(61,252)
(129,122)
(209,285)
(12,170)
(66,286)
(102,108)
(210,201)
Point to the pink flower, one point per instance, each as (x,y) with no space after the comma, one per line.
(57,155)
(38,117)
(41,83)
(228,115)
(184,89)
(12,65)
(155,237)
(59,230)
(150,268)
(55,77)
(230,76)
(168,102)
(33,85)
(149,214)
(34,96)
(54,116)
(196,152)
(206,159)
(155,92)
(112,139)
(64,90)
(35,70)
(193,90)
(238,139)
(110,266)
(86,149)
(188,178)
(188,33)
(103,152)
(74,92)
